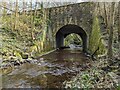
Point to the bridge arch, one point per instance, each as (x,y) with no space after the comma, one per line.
(69,29)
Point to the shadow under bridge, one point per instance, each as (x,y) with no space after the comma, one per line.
(69,29)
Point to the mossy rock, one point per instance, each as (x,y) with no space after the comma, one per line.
(18,54)
(21,55)
(25,56)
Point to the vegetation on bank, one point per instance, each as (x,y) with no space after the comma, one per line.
(104,72)
(25,36)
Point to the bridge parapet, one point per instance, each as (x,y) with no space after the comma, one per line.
(80,14)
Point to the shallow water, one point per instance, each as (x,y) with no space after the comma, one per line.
(49,71)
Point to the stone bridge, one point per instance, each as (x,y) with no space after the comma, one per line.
(73,18)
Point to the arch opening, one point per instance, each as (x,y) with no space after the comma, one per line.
(73,39)
(67,30)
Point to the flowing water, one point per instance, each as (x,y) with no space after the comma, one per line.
(49,71)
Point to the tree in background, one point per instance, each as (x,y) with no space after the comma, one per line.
(110,26)
(105,15)
(119,22)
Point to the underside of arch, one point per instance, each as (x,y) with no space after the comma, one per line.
(69,29)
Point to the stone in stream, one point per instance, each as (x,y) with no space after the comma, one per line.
(72,46)
(4,65)
(33,61)
(41,59)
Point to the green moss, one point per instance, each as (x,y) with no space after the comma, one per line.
(95,38)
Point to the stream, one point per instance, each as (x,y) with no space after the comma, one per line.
(49,71)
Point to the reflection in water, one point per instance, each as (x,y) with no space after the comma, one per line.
(50,71)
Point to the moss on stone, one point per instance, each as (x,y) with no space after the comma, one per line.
(95,38)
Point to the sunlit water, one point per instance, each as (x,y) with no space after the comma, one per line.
(49,71)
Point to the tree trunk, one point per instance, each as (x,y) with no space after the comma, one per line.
(105,12)
(16,15)
(119,22)
(11,18)
(110,26)
(24,7)
(4,12)
(32,24)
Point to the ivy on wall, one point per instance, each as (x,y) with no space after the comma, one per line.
(96,38)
